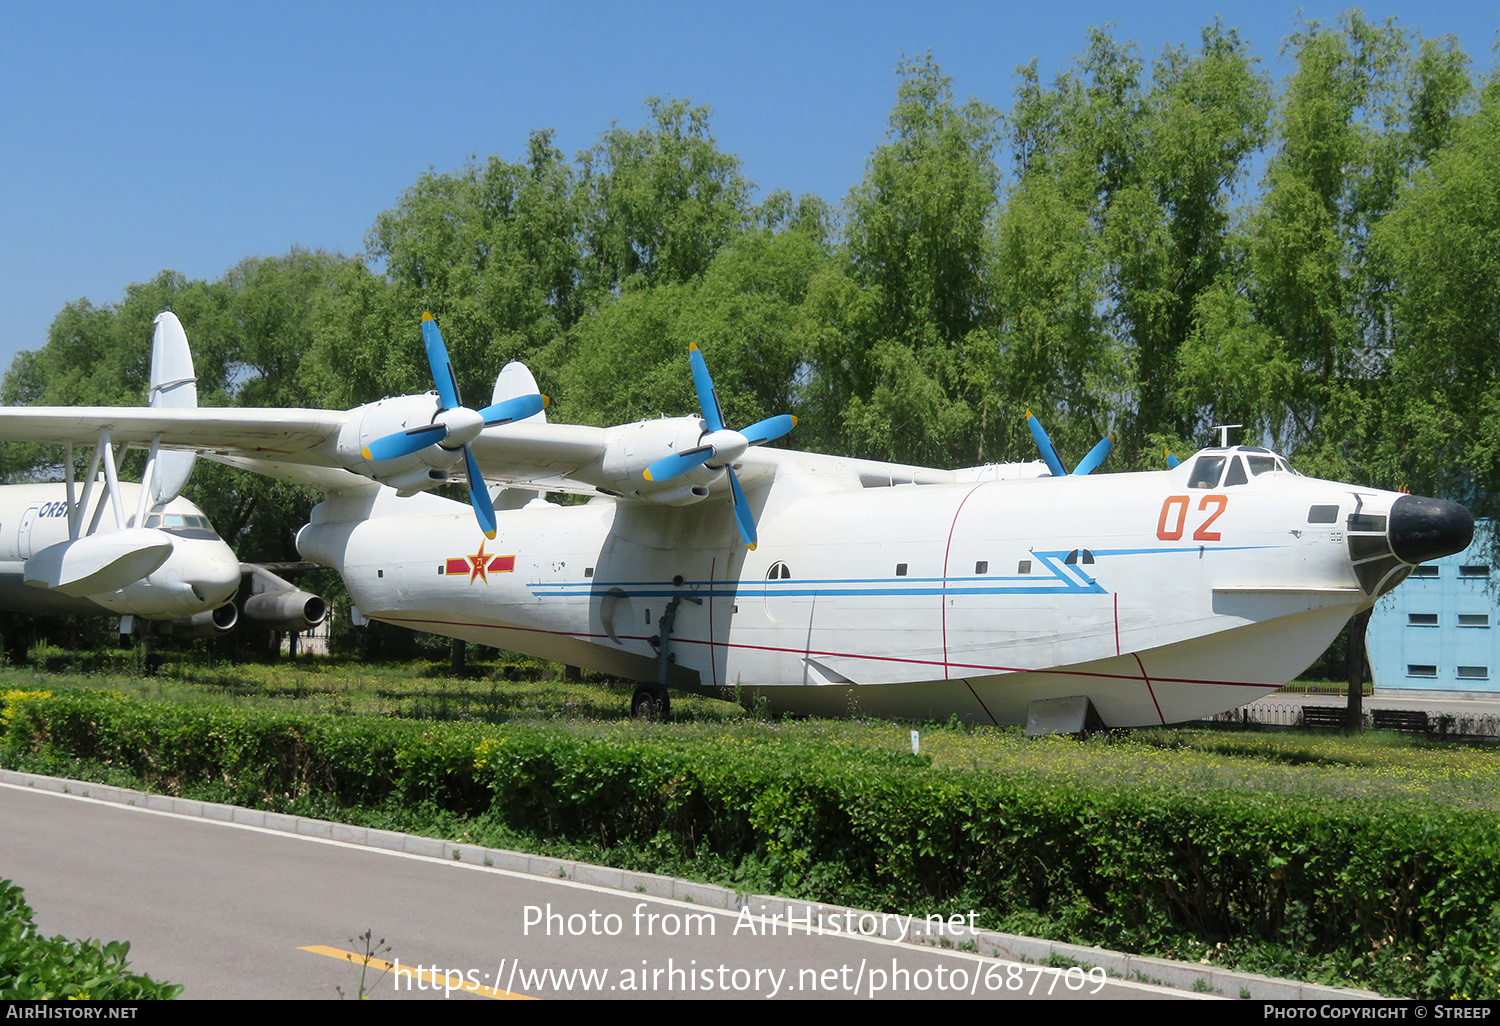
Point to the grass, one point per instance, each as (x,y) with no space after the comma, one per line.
(1377,766)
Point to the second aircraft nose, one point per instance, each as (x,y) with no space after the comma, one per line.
(1421,529)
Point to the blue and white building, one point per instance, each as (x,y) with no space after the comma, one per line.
(1437,631)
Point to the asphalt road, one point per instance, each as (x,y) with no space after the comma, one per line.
(229,911)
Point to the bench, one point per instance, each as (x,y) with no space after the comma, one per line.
(1411,720)
(1323,715)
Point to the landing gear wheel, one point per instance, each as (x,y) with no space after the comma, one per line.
(650,702)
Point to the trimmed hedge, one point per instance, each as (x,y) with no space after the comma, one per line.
(1401,898)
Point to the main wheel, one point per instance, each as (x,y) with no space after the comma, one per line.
(650,702)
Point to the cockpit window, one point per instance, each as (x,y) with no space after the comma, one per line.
(1264,464)
(1236,475)
(188,525)
(1206,472)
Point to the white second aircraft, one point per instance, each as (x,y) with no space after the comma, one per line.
(140,552)
(1001,594)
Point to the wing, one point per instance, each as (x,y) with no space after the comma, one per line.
(296,444)
(273,432)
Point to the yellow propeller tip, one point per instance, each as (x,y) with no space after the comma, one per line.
(752,546)
(427,316)
(647,475)
(490,535)
(692,347)
(546,401)
(365,452)
(794,420)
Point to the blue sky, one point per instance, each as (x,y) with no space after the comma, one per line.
(145,136)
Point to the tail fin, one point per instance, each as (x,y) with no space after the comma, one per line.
(174,386)
(516,380)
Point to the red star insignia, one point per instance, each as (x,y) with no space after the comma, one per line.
(479,564)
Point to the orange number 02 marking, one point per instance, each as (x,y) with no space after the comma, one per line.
(1181,502)
(1203,533)
(1179,521)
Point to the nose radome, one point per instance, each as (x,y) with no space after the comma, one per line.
(1421,529)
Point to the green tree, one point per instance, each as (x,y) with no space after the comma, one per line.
(1441,244)
(891,355)
(1119,222)
(1358,120)
(661,201)
(492,251)
(748,312)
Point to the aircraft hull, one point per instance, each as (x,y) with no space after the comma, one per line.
(996,595)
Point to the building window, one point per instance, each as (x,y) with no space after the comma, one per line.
(1473,619)
(1421,619)
(1473,673)
(1421,670)
(1426,570)
(1474,571)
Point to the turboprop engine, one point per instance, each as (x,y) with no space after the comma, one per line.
(674,461)
(395,437)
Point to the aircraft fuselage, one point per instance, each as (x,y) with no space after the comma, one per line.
(1157,600)
(201,573)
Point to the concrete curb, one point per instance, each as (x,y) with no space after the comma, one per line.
(1181,975)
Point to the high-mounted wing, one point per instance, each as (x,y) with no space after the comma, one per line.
(416,442)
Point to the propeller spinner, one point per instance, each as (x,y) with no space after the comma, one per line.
(719,446)
(455,425)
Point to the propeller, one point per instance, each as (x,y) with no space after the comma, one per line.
(455,425)
(1087,465)
(720,446)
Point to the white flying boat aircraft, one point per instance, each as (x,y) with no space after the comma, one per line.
(704,562)
(140,552)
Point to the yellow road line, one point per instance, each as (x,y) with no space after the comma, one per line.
(437,980)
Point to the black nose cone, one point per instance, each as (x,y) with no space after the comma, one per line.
(1421,529)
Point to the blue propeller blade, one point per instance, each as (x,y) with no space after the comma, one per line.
(770,429)
(742,514)
(479,496)
(442,369)
(1172,461)
(669,467)
(516,408)
(708,399)
(404,443)
(1095,457)
(1044,444)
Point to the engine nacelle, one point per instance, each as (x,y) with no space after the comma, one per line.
(389,417)
(293,610)
(209,624)
(418,479)
(642,444)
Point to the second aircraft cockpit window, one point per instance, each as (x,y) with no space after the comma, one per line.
(188,525)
